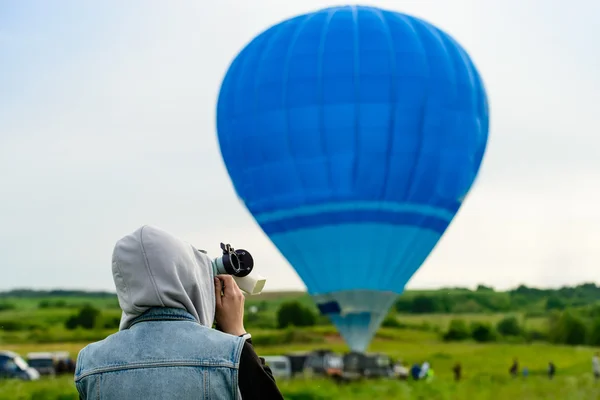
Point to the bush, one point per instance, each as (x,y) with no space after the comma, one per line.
(468,307)
(509,326)
(391,322)
(111,323)
(426,305)
(594,339)
(482,332)
(293,313)
(567,328)
(86,318)
(285,337)
(536,336)
(457,330)
(5,306)
(554,303)
(404,305)
(12,326)
(260,320)
(20,324)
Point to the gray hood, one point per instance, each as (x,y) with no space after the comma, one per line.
(152,268)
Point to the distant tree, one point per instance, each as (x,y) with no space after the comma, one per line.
(85,318)
(404,304)
(263,306)
(482,332)
(391,322)
(568,328)
(594,339)
(457,330)
(44,304)
(52,304)
(72,322)
(509,326)
(555,303)
(425,305)
(483,288)
(112,323)
(468,307)
(293,313)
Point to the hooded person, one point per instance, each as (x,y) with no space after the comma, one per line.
(165,346)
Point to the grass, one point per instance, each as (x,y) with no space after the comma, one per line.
(485,369)
(485,366)
(485,388)
(443,320)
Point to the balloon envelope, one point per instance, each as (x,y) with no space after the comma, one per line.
(353,134)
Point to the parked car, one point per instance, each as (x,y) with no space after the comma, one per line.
(281,367)
(298,362)
(12,366)
(44,363)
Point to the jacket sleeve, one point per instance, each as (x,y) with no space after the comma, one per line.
(256,380)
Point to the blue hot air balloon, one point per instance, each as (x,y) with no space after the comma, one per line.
(352,135)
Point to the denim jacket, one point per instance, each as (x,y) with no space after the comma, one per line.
(164,354)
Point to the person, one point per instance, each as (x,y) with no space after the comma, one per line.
(596,365)
(424,370)
(525,372)
(430,374)
(551,370)
(415,371)
(165,347)
(514,368)
(457,369)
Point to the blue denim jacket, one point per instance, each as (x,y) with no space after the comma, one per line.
(165,354)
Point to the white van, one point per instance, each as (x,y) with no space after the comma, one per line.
(280,366)
(42,362)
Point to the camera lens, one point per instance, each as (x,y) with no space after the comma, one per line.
(235,263)
(246,263)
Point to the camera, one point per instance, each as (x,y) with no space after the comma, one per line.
(239,264)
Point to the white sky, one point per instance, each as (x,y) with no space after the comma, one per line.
(107,122)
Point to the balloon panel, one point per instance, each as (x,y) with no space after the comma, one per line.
(352,104)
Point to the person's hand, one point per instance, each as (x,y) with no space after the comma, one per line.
(229,305)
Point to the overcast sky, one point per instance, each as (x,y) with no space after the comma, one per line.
(107,122)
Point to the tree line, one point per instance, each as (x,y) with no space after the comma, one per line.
(445,300)
(485,299)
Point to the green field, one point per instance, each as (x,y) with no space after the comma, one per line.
(563,388)
(414,334)
(485,372)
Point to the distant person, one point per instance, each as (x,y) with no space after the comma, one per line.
(525,372)
(430,374)
(514,368)
(70,365)
(457,369)
(61,367)
(596,365)
(551,370)
(400,371)
(166,347)
(424,370)
(415,371)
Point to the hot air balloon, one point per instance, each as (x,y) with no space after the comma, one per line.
(352,135)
